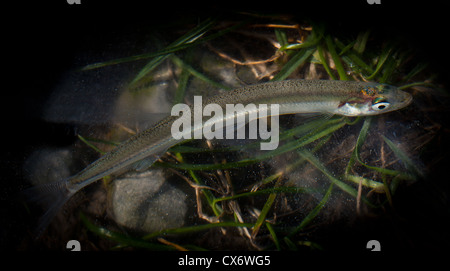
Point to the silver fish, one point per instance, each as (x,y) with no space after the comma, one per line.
(348,98)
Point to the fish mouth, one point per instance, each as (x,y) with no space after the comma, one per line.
(403,99)
(408,99)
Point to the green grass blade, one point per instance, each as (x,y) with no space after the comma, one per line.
(116,61)
(179,62)
(359,142)
(291,245)
(337,61)
(122,239)
(262,216)
(314,212)
(388,70)
(361,42)
(182,85)
(306,49)
(183,42)
(191,39)
(377,186)
(188,38)
(315,162)
(407,162)
(98,140)
(353,59)
(186,166)
(273,235)
(416,70)
(217,210)
(324,62)
(381,61)
(416,84)
(207,193)
(273,190)
(281,37)
(297,60)
(355,155)
(346,48)
(312,40)
(85,141)
(197,228)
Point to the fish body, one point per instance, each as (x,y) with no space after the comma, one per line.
(348,98)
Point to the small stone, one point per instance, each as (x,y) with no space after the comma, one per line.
(147,202)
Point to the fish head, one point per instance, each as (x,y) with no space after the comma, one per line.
(375,99)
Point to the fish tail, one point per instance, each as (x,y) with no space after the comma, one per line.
(51,196)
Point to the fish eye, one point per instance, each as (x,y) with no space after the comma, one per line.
(380,106)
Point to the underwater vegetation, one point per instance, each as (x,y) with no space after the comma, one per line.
(330,176)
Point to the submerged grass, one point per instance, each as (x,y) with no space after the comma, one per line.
(339,57)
